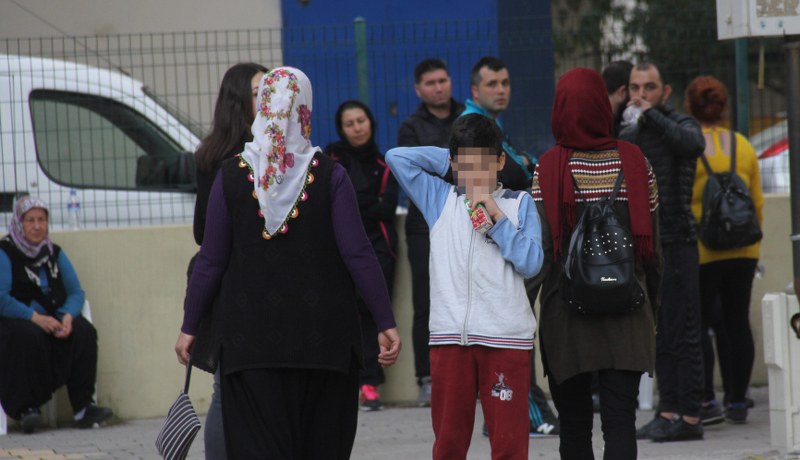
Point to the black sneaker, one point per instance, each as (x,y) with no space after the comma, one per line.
(750,403)
(678,430)
(94,415)
(30,420)
(711,414)
(736,413)
(657,423)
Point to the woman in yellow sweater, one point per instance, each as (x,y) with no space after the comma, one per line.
(726,277)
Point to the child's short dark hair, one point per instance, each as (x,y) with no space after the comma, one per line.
(475,130)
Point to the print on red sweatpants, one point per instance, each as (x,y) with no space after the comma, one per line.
(501,378)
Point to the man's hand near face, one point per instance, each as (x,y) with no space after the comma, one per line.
(641,103)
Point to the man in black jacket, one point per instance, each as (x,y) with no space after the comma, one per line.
(672,142)
(429,125)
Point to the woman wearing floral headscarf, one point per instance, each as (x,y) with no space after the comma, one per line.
(44,341)
(285,249)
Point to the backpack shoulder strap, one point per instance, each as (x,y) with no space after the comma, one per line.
(703,158)
(617,186)
(575,183)
(733,153)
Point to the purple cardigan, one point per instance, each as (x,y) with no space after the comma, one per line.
(354,247)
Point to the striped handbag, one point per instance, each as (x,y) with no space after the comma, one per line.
(180,427)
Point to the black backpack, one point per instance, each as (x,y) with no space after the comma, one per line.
(599,266)
(729,217)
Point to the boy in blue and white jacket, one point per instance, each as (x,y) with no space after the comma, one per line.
(481,322)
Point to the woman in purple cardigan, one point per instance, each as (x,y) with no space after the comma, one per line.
(285,249)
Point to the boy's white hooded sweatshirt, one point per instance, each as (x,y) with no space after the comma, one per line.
(477,286)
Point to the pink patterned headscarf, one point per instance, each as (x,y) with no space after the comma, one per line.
(17,232)
(281,150)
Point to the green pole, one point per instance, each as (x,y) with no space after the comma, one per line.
(361,59)
(742,88)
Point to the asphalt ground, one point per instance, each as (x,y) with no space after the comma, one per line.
(396,433)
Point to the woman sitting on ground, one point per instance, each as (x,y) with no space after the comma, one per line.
(44,341)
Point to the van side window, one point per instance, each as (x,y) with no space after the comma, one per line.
(89,141)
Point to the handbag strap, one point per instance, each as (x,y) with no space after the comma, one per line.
(188,377)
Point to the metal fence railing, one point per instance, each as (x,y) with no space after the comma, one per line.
(115,121)
(114,117)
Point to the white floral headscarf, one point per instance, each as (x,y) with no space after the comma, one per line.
(281,150)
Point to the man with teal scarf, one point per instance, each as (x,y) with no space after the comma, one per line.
(491,93)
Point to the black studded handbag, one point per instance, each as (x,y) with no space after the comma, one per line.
(599,264)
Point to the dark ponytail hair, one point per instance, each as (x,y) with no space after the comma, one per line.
(233,116)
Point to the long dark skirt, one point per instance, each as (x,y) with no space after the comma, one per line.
(33,364)
(290,414)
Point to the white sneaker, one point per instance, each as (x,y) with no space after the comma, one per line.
(424,398)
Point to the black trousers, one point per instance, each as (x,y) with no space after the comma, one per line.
(372,373)
(537,394)
(33,364)
(725,288)
(419,251)
(290,414)
(573,398)
(679,359)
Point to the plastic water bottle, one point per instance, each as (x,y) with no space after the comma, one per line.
(631,115)
(646,392)
(73,210)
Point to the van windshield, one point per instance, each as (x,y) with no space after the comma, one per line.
(89,141)
(179,115)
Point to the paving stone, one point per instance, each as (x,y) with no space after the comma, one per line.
(399,433)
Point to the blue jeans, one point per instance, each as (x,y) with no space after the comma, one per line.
(213,435)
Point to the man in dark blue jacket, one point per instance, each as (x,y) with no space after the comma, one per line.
(429,125)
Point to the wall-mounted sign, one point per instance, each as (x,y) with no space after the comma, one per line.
(757,18)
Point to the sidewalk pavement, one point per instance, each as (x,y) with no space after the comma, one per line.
(396,433)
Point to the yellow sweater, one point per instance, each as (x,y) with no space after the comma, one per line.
(746,168)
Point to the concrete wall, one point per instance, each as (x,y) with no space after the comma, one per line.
(135,280)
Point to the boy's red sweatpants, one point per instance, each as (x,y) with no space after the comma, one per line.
(501,378)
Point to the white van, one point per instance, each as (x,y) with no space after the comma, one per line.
(66,126)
